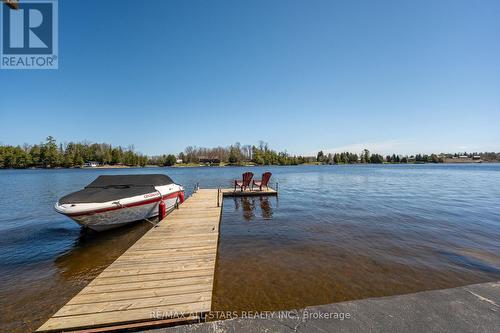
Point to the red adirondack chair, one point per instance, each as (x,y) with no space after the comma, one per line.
(263,182)
(245,183)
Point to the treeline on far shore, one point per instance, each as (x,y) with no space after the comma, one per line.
(366,157)
(50,154)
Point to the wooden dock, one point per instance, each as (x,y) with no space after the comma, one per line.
(166,277)
(230,192)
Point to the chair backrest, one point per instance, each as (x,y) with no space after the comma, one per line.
(265,178)
(247,178)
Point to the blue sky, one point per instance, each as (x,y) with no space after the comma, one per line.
(392,76)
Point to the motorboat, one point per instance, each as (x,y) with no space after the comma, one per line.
(112,201)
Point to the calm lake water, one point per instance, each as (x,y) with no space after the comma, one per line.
(335,233)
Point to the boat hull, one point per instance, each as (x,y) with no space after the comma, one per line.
(116,213)
(117,218)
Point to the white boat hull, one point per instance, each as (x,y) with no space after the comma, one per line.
(120,217)
(108,215)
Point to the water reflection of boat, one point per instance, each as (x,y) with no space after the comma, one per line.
(92,252)
(248,205)
(113,201)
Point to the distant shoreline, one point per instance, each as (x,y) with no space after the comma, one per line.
(51,155)
(191,165)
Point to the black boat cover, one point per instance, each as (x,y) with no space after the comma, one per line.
(109,188)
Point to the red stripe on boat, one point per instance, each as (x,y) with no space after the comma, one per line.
(135,204)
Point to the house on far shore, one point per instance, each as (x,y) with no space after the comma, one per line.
(90,164)
(464,159)
(179,160)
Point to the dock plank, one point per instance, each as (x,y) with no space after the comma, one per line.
(157,291)
(148,284)
(169,271)
(134,303)
(151,277)
(117,317)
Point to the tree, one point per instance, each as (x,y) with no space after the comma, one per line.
(320,157)
(117,155)
(344,157)
(247,152)
(50,153)
(363,159)
(182,157)
(377,159)
(78,159)
(23,158)
(191,156)
(233,156)
(366,155)
(170,160)
(329,158)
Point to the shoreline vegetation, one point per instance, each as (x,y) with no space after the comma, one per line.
(49,154)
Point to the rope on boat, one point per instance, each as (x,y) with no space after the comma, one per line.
(152,223)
